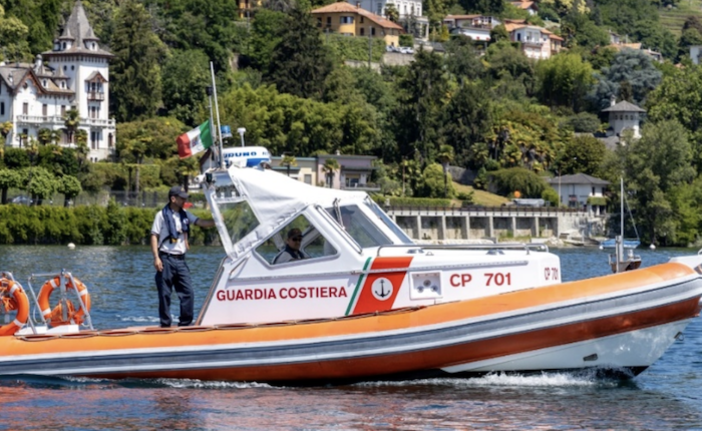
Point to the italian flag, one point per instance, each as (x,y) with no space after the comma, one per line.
(195,141)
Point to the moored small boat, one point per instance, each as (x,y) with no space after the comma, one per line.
(366,303)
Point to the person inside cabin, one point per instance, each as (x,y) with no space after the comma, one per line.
(291,251)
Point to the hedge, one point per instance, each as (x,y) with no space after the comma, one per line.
(355,47)
(411,202)
(87,225)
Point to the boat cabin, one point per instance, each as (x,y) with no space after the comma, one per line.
(356,260)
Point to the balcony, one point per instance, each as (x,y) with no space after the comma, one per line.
(37,120)
(97,122)
(96,96)
(57,120)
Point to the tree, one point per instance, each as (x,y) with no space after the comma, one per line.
(468,117)
(71,123)
(47,136)
(288,160)
(133,149)
(208,26)
(13,38)
(422,98)
(40,184)
(632,66)
(653,166)
(446,156)
(579,30)
(330,167)
(392,13)
(9,178)
(488,7)
(5,129)
(135,73)
(185,76)
(300,62)
(689,37)
(463,60)
(433,184)
(16,158)
(529,184)
(583,154)
(565,80)
(263,38)
(678,98)
(69,186)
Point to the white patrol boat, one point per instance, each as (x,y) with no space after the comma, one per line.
(366,303)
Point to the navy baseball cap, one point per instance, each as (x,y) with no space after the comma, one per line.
(178,191)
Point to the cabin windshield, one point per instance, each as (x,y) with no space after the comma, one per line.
(235,212)
(401,235)
(361,228)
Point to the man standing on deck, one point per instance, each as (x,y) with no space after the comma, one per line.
(169,243)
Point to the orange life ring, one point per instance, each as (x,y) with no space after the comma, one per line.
(14,298)
(55,316)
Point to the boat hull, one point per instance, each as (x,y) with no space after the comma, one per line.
(624,324)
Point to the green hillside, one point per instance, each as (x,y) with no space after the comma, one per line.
(673,18)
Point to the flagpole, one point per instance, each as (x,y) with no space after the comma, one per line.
(213,153)
(219,130)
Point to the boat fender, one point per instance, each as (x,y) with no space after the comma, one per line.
(13,298)
(55,316)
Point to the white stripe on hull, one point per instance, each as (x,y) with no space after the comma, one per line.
(639,348)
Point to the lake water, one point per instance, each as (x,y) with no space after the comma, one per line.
(666,396)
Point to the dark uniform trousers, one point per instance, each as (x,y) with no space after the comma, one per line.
(175,275)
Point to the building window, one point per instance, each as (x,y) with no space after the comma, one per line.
(328,21)
(363,31)
(593,191)
(44,110)
(319,21)
(346,20)
(63,110)
(308,178)
(94,140)
(2,108)
(110,140)
(372,31)
(25,108)
(361,20)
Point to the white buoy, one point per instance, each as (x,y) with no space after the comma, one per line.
(652,246)
(71,245)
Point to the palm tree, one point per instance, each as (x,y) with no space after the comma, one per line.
(71,121)
(330,166)
(5,129)
(446,155)
(288,160)
(391,13)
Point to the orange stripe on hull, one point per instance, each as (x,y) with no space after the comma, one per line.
(435,359)
(432,315)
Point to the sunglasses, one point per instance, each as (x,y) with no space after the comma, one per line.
(297,238)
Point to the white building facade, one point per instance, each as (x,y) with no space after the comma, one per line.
(73,75)
(405,8)
(624,115)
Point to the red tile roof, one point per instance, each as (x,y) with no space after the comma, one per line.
(343,7)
